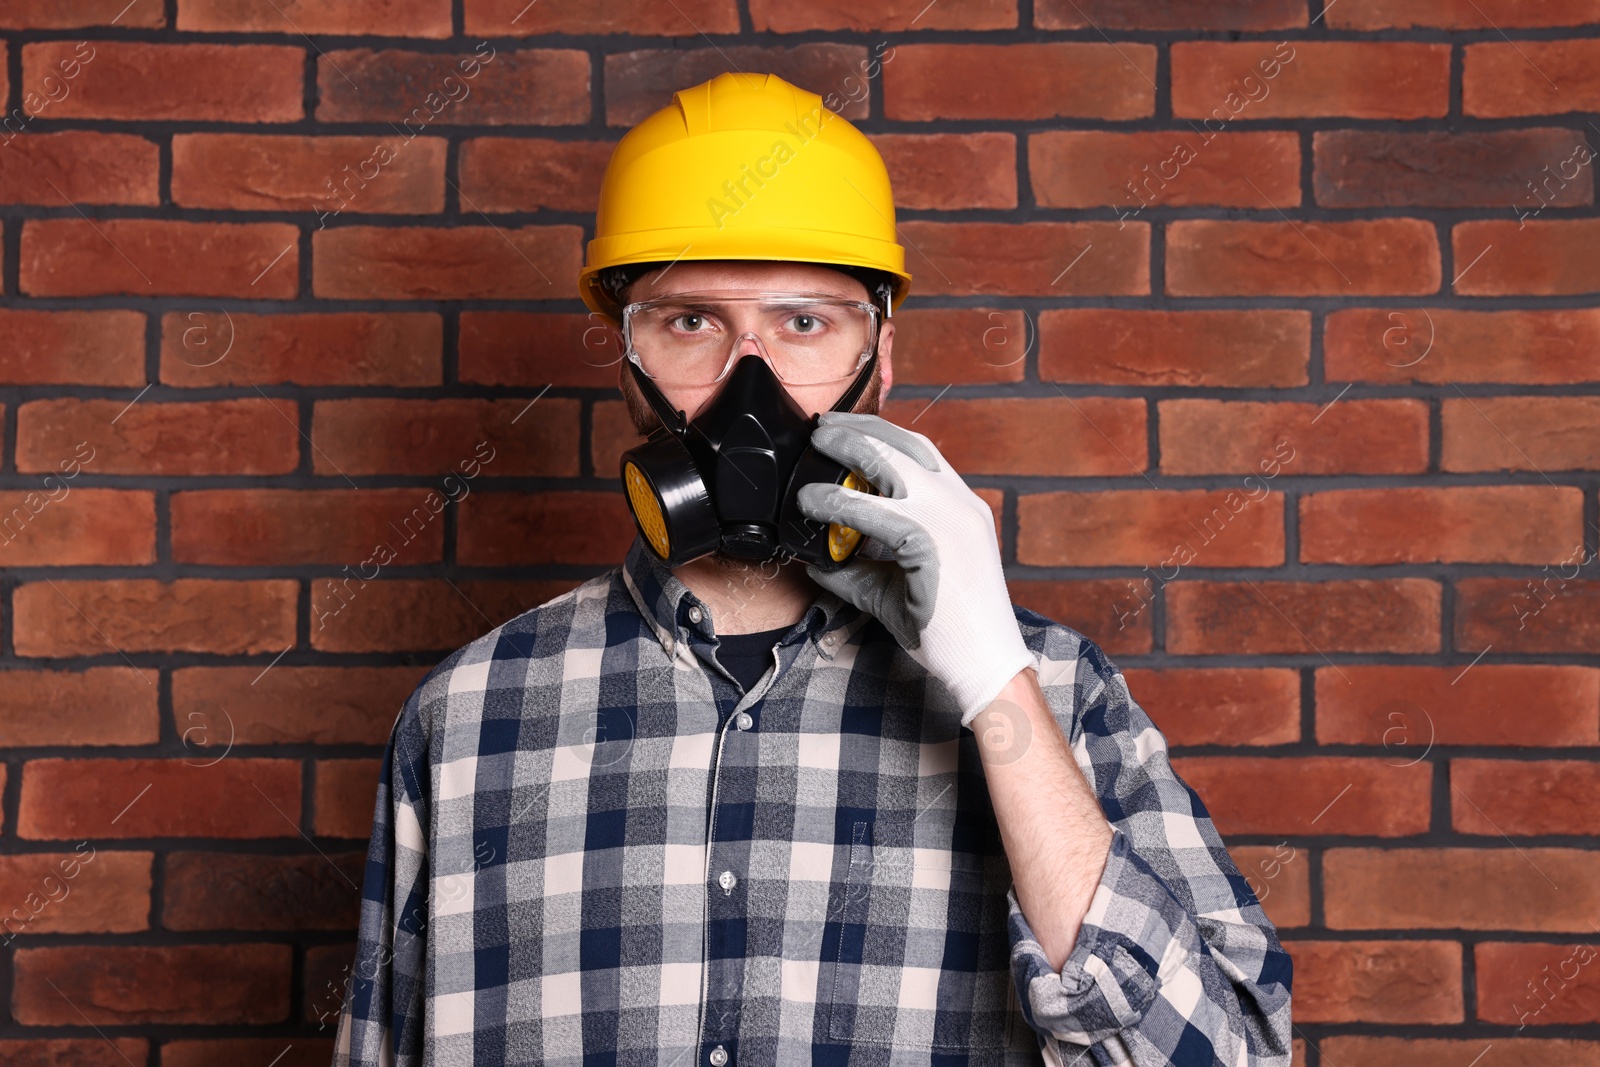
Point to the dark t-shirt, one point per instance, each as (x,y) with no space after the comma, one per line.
(747,656)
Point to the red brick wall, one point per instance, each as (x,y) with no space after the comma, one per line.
(1301,425)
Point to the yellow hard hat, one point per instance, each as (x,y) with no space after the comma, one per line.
(744,166)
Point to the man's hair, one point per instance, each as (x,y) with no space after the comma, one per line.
(616,281)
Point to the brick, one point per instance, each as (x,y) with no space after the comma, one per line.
(1407,709)
(570,526)
(229,891)
(1089,607)
(53,526)
(1303,618)
(70,14)
(1448,169)
(226,1052)
(1459,14)
(1280,877)
(1440,345)
(79,1052)
(534,86)
(365,528)
(1527,798)
(782,17)
(323,176)
(1116,346)
(1221,81)
(159,257)
(464,437)
(1165,168)
(91,618)
(141,81)
(1383,436)
(1149,528)
(1539,258)
(1549,613)
(1377,981)
(1035,80)
(414,614)
(1028,259)
(293,705)
(347,790)
(80,890)
(1504,78)
(207,348)
(97,706)
(66,799)
(125,985)
(1016,435)
(1168,15)
(1460,888)
(251,435)
(641,82)
(1311,794)
(1533,984)
(72,347)
(387,18)
(461,263)
(79,167)
(1220,705)
(950,171)
(530,174)
(1459,524)
(1225,257)
(1453,1052)
(516,18)
(538,349)
(943,346)
(1520,433)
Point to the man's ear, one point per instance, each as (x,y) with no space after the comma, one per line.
(885,363)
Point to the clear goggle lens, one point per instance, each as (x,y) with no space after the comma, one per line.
(808,338)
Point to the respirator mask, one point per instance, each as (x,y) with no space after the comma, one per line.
(728,478)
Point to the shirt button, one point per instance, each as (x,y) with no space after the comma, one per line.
(745,721)
(727,881)
(829,640)
(719,1056)
(695,614)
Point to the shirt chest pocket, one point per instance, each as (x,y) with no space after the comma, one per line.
(923,953)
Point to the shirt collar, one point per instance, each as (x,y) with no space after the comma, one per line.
(666,603)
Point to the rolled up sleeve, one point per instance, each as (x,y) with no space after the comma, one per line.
(1175,962)
(381,1020)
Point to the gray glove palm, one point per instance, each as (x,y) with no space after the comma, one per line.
(943,595)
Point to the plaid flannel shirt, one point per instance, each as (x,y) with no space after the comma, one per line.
(591,846)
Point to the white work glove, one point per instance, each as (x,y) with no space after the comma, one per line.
(943,595)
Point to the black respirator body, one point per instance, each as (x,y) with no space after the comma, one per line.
(728,479)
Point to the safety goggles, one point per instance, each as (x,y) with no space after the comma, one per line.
(690,339)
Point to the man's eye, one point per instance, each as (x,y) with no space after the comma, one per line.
(806,323)
(689,321)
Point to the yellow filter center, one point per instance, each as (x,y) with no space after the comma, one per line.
(647,509)
(842,540)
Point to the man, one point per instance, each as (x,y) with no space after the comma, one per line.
(799,798)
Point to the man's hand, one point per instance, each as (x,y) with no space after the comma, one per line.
(944,594)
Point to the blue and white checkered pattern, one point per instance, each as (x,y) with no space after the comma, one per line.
(591,846)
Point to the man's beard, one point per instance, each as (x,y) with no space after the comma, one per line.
(644,420)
